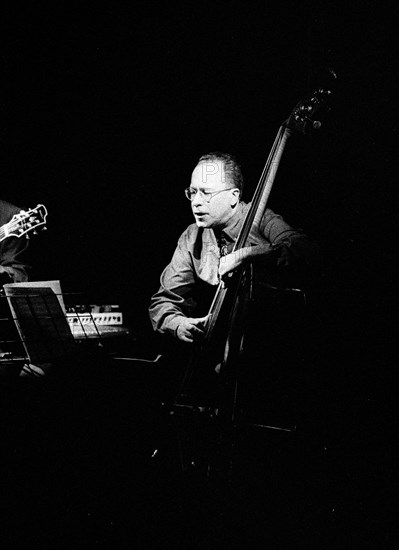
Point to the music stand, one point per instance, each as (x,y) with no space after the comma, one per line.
(39,314)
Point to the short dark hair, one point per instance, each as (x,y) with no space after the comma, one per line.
(231,166)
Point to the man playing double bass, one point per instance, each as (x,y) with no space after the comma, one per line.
(204,256)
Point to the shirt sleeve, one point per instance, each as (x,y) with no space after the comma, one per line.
(12,259)
(289,246)
(290,257)
(174,298)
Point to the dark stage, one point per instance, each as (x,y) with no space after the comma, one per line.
(105,112)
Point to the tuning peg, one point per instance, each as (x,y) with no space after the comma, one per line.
(322,91)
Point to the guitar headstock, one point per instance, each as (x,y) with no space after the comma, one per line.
(26,221)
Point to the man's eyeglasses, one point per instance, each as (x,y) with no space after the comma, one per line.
(206,195)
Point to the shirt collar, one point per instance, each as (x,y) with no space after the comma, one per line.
(233,226)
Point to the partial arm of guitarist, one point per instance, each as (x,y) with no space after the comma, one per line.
(13,265)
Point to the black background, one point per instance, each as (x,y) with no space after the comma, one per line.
(105,111)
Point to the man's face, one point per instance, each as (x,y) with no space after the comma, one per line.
(210,176)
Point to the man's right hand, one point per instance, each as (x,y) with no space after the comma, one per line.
(191,328)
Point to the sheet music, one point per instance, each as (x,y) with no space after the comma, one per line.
(38,311)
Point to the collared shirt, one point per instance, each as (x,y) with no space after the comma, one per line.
(196,261)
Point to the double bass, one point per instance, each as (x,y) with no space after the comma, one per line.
(210,383)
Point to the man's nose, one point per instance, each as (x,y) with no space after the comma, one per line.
(198,199)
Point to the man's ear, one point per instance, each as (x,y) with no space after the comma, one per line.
(236,197)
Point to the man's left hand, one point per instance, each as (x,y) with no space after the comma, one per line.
(231,261)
